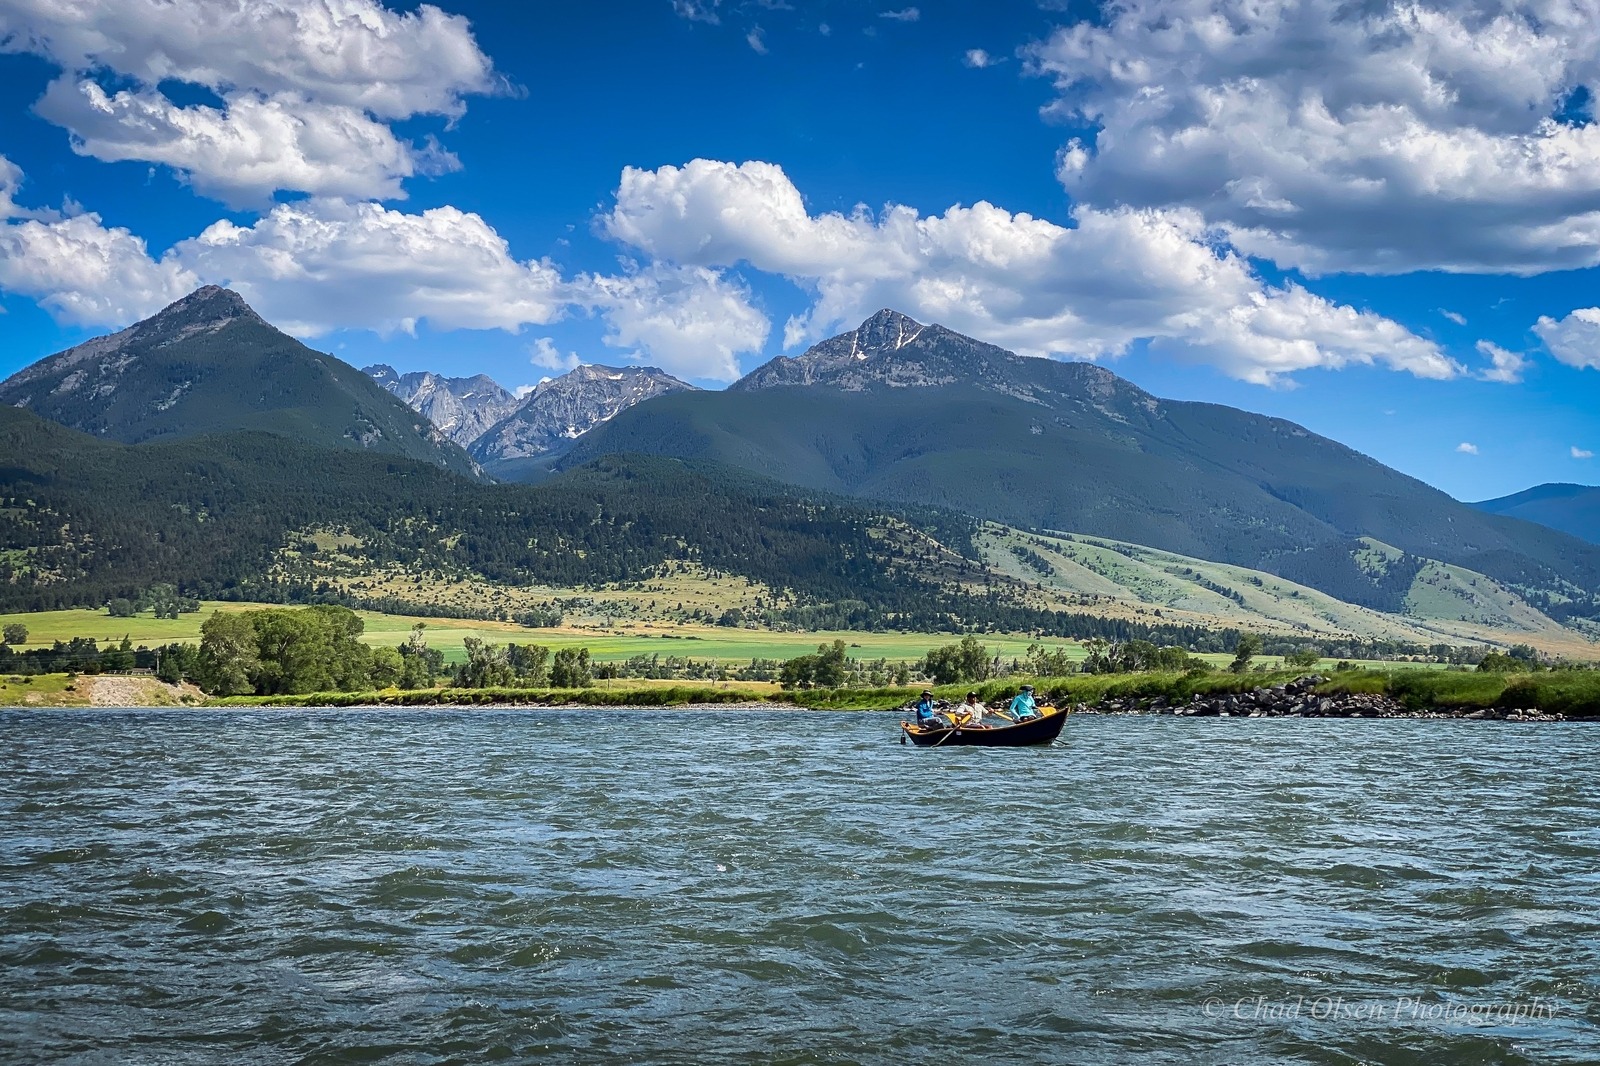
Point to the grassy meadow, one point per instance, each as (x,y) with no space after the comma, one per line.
(605,644)
(612,644)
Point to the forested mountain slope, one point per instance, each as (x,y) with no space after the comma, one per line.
(236,516)
(86,520)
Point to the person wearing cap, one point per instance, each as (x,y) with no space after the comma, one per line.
(926,715)
(973,711)
(1023,706)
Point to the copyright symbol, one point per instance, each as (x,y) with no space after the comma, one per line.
(1214,1007)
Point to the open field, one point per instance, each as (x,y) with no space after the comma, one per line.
(613,644)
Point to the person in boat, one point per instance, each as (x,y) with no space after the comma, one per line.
(970,713)
(927,716)
(1023,707)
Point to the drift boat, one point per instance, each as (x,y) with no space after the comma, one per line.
(1031,731)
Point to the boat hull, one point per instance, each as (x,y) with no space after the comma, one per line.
(1035,732)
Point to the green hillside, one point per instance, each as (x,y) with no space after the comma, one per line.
(208,364)
(1441,604)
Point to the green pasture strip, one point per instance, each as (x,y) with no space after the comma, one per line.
(446,634)
(39,690)
(660,696)
(1575,693)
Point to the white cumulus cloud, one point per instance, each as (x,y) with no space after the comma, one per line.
(978,59)
(320,265)
(10,183)
(240,153)
(1467,449)
(904,14)
(1119,276)
(1575,339)
(352,52)
(1328,136)
(1581,453)
(1505,366)
(87,274)
(307,89)
(545,354)
(688,320)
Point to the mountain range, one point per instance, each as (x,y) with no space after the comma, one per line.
(1094,488)
(517,439)
(460,408)
(901,412)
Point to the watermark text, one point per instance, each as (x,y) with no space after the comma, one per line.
(1400,1009)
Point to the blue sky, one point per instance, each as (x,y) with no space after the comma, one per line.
(1393,243)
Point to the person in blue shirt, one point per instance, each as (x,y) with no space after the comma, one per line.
(927,717)
(1023,706)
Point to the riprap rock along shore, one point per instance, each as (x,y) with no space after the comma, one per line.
(1299,699)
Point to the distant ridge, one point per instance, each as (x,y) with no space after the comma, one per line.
(1573,509)
(460,408)
(561,410)
(209,364)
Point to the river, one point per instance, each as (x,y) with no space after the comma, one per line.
(790,887)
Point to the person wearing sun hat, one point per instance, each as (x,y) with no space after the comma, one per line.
(1023,706)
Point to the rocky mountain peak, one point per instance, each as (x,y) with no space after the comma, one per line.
(460,408)
(594,373)
(208,308)
(892,350)
(888,330)
(564,408)
(213,299)
(383,374)
(209,364)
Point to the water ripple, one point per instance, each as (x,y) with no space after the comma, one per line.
(435,887)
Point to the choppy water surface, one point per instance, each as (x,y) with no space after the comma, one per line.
(187,887)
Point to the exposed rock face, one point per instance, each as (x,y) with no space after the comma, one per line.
(462,409)
(564,408)
(64,387)
(208,364)
(894,351)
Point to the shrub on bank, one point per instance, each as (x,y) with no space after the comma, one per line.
(1575,694)
(676,695)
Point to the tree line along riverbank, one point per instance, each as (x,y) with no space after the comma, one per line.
(314,656)
(1573,694)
